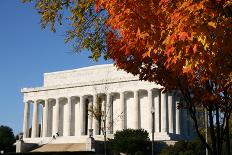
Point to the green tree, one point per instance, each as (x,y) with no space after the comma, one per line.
(130,141)
(7,139)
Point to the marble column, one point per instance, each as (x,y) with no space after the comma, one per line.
(56,119)
(35,127)
(136,99)
(108,114)
(90,116)
(95,121)
(50,117)
(67,126)
(77,118)
(122,111)
(26,120)
(82,118)
(170,112)
(104,114)
(163,112)
(151,106)
(177,116)
(157,110)
(45,119)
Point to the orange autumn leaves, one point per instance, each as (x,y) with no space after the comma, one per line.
(190,38)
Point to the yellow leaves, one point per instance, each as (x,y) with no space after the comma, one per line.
(187,68)
(138,32)
(141,35)
(202,39)
(148,53)
(212,24)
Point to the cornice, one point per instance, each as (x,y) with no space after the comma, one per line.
(82,84)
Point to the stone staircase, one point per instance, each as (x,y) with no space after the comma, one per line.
(70,147)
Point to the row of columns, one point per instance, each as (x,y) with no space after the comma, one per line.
(164,115)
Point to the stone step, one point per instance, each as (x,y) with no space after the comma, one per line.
(71,147)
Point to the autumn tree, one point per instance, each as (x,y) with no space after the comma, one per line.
(102,107)
(182,45)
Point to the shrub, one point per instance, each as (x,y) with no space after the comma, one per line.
(130,141)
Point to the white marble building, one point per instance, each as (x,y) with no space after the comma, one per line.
(61,106)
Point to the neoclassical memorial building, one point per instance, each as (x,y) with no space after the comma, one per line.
(59,111)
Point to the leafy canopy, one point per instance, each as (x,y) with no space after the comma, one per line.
(191,46)
(85,27)
(129,141)
(7,139)
(180,44)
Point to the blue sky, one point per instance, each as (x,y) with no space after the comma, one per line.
(26,52)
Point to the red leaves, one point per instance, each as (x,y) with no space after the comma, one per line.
(169,51)
(183,36)
(194,48)
(165,40)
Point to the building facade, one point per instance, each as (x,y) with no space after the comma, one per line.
(61,108)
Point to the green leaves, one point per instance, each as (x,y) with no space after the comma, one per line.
(7,139)
(129,141)
(86,28)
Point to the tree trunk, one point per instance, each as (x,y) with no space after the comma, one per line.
(227,136)
(203,140)
(218,136)
(212,133)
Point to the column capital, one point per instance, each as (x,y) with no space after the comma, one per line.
(69,98)
(45,100)
(26,102)
(122,92)
(136,91)
(150,89)
(82,96)
(95,94)
(109,94)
